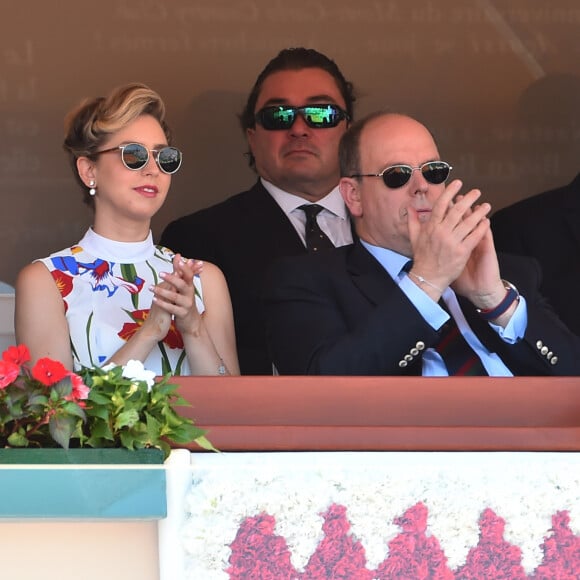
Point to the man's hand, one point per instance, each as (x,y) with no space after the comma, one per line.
(443,245)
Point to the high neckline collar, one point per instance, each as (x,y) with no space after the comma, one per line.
(120,252)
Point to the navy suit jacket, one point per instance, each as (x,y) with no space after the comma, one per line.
(547,227)
(242,235)
(342,314)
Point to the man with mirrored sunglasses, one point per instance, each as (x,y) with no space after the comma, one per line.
(422,291)
(295,115)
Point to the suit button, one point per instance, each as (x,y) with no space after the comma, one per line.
(544,350)
(420,345)
(408,358)
(550,355)
(554,360)
(414,351)
(403,364)
(539,344)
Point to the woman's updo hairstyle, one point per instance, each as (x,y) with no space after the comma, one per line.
(90,124)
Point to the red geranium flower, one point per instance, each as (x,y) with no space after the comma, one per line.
(79,389)
(48,371)
(8,373)
(17,354)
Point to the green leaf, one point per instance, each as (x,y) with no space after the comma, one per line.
(98,398)
(127,418)
(73,409)
(17,440)
(204,443)
(61,428)
(63,388)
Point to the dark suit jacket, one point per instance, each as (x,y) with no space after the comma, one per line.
(547,227)
(342,314)
(243,236)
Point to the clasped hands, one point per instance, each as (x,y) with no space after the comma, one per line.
(174,299)
(455,248)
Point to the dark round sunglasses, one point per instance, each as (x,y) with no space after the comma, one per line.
(136,156)
(282,117)
(395,176)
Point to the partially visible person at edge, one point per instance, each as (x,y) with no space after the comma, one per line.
(546,226)
(422,292)
(297,110)
(115,296)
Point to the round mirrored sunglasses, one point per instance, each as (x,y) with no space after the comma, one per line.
(136,156)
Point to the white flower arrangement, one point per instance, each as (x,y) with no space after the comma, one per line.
(525,489)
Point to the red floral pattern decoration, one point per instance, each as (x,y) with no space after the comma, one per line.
(493,557)
(413,554)
(64,283)
(173,339)
(258,553)
(561,552)
(338,555)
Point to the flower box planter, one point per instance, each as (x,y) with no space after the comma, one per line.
(82,483)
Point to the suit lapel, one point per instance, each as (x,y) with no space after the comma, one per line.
(367,274)
(268,221)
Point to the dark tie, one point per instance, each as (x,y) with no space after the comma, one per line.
(316,239)
(459,358)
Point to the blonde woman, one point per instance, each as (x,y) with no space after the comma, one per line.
(115,296)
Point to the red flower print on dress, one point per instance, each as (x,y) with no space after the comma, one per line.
(173,339)
(64,282)
(338,555)
(258,553)
(493,557)
(48,371)
(561,552)
(413,554)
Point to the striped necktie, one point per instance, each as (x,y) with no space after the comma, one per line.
(459,358)
(316,239)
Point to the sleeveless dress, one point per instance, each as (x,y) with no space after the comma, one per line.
(105,288)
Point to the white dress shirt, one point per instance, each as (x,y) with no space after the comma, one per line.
(333,220)
(433,365)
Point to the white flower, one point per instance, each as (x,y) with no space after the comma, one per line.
(134,369)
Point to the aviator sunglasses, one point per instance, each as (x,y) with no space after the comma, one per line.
(282,117)
(136,156)
(395,176)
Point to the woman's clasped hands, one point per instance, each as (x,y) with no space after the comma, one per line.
(174,298)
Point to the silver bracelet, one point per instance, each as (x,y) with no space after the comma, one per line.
(424,281)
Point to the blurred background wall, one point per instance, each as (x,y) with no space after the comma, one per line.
(497,82)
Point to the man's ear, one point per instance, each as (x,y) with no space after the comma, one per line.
(350,190)
(87,171)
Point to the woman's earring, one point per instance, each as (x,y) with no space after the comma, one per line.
(93,190)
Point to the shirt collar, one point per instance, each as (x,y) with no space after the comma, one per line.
(332,202)
(391,261)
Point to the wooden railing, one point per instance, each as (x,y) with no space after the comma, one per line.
(385,413)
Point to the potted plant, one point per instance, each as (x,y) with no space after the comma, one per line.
(111,415)
(45,406)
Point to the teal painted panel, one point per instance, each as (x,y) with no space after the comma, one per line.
(71,493)
(27,456)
